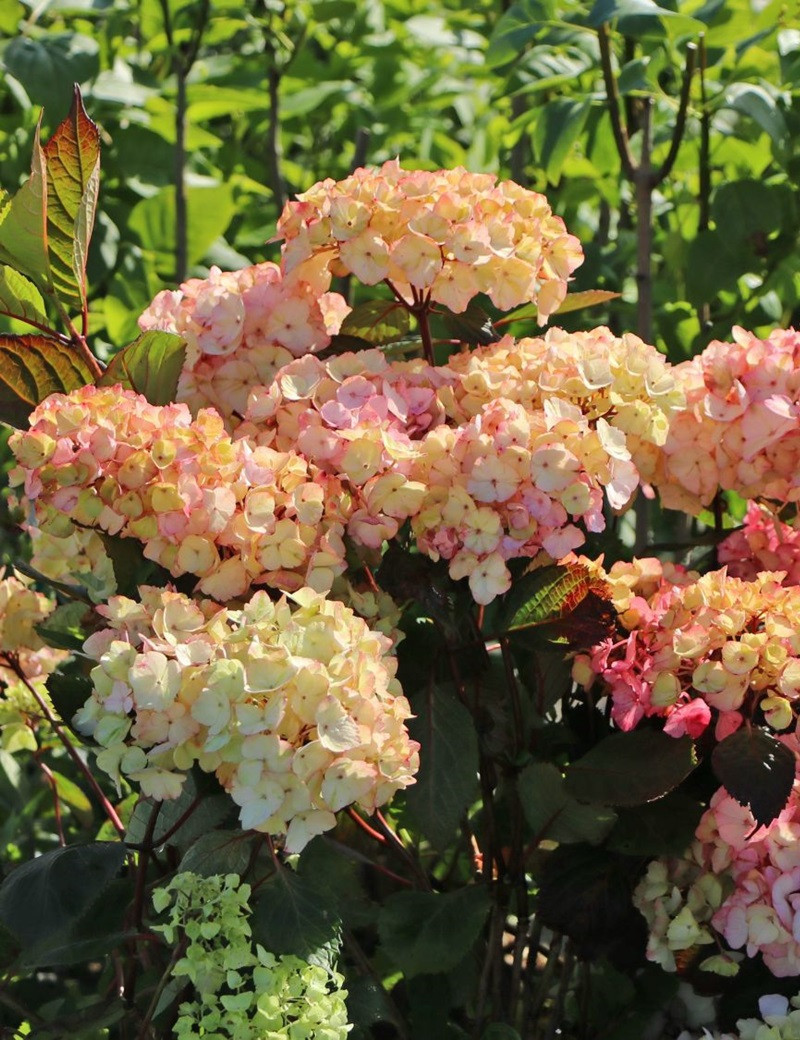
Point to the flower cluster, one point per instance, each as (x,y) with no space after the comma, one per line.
(741,428)
(620,379)
(738,881)
(229,513)
(241,990)
(441,236)
(241,327)
(294,708)
(780,1020)
(358,418)
(763,543)
(715,643)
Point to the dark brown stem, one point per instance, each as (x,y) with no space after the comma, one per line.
(70,748)
(273,154)
(51,780)
(612,97)
(704,167)
(141,869)
(680,120)
(177,953)
(425,332)
(181,215)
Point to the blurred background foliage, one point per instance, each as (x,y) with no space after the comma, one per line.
(245,103)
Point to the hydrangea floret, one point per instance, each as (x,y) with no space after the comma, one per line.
(763,543)
(293,705)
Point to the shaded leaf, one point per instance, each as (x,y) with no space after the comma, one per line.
(662,828)
(425,933)
(63,629)
(293,915)
(641,15)
(50,893)
(757,770)
(447,782)
(515,29)
(33,367)
(472,325)
(629,769)
(552,813)
(151,366)
(377,321)
(755,101)
(219,852)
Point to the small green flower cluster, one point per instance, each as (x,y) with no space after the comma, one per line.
(242,992)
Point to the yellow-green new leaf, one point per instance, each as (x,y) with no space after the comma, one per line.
(19,297)
(32,368)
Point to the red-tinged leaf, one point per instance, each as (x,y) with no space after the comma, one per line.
(72,162)
(151,366)
(19,298)
(46,227)
(547,595)
(32,368)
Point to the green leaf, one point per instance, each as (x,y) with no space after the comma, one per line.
(472,325)
(219,852)
(19,297)
(577,301)
(69,792)
(69,690)
(629,769)
(49,894)
(63,628)
(72,162)
(33,367)
(755,101)
(552,813)
(662,828)
(294,915)
(151,366)
(546,595)
(47,67)
(209,212)
(46,228)
(377,321)
(447,782)
(640,17)
(426,934)
(757,770)
(499,1031)
(515,29)
(745,210)
(560,124)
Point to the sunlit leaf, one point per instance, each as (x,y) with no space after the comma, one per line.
(19,297)
(151,366)
(32,368)
(377,321)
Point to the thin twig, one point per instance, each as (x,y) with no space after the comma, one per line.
(680,121)
(612,95)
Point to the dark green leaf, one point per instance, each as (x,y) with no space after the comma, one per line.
(552,813)
(426,934)
(629,769)
(755,101)
(473,325)
(219,852)
(745,210)
(558,127)
(292,915)
(377,321)
(756,769)
(50,893)
(33,367)
(69,690)
(662,828)
(151,366)
(447,782)
(63,628)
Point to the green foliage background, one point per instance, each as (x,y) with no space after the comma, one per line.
(276,96)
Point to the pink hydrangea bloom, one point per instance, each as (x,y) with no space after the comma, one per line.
(441,236)
(741,428)
(763,543)
(241,327)
(712,648)
(228,512)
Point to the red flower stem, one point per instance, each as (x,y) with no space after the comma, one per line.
(51,780)
(362,823)
(72,751)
